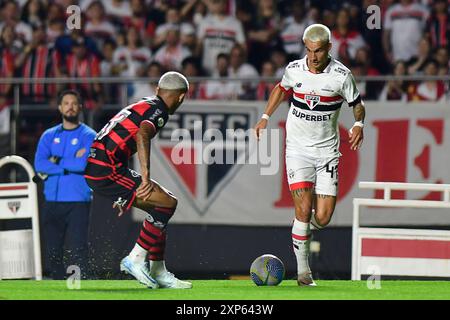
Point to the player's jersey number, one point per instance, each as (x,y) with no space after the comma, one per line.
(332,170)
(118,118)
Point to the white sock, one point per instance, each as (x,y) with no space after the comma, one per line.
(301,236)
(157,267)
(138,254)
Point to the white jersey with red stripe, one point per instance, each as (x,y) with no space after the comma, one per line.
(312,126)
(218,35)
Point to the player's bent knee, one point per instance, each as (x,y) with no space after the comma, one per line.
(303,210)
(173,203)
(324,221)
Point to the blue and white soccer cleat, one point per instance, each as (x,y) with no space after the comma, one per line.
(139,271)
(168,280)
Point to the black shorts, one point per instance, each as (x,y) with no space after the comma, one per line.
(120,186)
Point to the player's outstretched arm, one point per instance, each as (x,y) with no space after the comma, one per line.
(275,98)
(356,133)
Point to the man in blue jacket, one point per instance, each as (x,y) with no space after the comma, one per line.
(60,160)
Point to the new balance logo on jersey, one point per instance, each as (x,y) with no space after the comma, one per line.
(312,100)
(291,174)
(328,89)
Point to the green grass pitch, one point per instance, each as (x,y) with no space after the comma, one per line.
(224,290)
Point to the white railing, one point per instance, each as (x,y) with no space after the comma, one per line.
(359,233)
(121,80)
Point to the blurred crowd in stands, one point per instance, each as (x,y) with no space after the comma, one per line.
(221,39)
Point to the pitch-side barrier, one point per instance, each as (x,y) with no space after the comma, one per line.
(400,252)
(20,250)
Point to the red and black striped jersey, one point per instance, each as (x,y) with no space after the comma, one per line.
(87,67)
(43,62)
(6,67)
(6,71)
(115,144)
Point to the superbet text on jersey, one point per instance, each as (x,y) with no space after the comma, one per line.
(311,126)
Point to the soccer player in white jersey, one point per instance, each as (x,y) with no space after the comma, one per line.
(318,85)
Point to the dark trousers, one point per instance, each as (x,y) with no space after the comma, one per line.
(65,230)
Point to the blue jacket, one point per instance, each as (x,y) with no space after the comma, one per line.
(65,182)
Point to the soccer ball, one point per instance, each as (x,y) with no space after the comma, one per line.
(267,270)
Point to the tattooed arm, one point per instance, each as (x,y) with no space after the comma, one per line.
(359,112)
(356,133)
(145,134)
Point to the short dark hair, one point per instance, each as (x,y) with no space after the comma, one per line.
(154,64)
(3,4)
(223,56)
(440,48)
(190,60)
(72,92)
(431,61)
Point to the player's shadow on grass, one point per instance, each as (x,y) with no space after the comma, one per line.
(121,290)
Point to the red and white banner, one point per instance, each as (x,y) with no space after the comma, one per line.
(403,143)
(404,252)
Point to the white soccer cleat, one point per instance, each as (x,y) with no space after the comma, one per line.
(168,280)
(139,271)
(305,280)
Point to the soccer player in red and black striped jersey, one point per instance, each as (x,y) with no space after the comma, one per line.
(128,132)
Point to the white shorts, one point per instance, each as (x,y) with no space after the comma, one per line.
(305,172)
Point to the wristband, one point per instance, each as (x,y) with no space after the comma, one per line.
(359,124)
(265,116)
